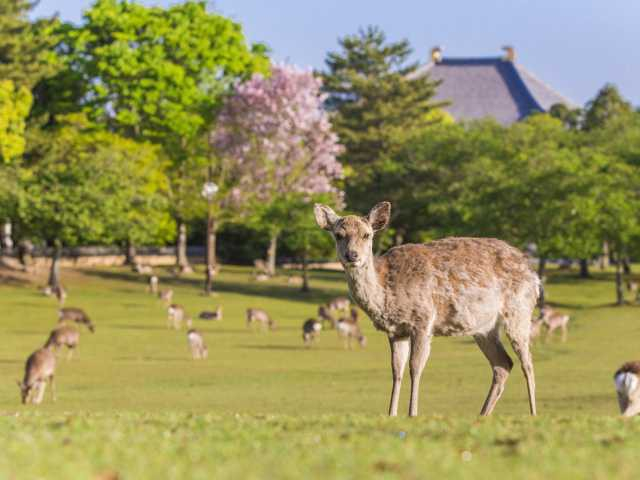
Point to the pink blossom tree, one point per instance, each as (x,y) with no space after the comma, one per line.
(280,140)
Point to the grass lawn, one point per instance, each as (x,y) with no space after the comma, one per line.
(133,403)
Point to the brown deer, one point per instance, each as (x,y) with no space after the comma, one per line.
(325,316)
(310,331)
(627,379)
(198,348)
(453,286)
(166,296)
(349,331)
(340,304)
(536,329)
(208,315)
(76,315)
(260,317)
(176,315)
(39,369)
(65,335)
(554,321)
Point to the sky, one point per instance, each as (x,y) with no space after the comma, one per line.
(575,46)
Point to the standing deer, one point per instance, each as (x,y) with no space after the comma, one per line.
(65,335)
(76,315)
(310,330)
(198,348)
(453,286)
(176,314)
(627,379)
(153,285)
(554,320)
(39,369)
(325,316)
(257,316)
(339,304)
(166,296)
(209,315)
(349,330)
(632,287)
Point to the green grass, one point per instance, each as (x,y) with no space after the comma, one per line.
(262,406)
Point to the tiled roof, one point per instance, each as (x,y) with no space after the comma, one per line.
(490,87)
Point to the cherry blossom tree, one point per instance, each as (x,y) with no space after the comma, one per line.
(279,137)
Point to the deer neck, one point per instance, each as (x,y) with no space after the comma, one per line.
(365,287)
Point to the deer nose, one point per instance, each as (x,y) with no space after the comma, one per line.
(352,256)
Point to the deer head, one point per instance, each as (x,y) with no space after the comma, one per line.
(24,391)
(353,234)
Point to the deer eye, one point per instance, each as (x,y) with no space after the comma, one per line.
(339,235)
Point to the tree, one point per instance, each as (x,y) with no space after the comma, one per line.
(379,102)
(83,188)
(280,138)
(607,105)
(158,74)
(14,108)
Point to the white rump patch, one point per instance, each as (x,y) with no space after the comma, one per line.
(626,382)
(317,326)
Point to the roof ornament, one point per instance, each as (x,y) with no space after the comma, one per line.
(509,53)
(436,54)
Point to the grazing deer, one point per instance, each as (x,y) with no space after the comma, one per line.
(176,314)
(208,315)
(536,329)
(153,285)
(166,296)
(453,286)
(260,317)
(76,315)
(61,294)
(632,287)
(627,379)
(39,369)
(198,348)
(349,331)
(325,316)
(310,330)
(65,335)
(553,321)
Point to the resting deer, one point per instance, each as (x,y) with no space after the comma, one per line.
(554,320)
(627,380)
(198,348)
(310,330)
(39,369)
(143,269)
(208,315)
(349,330)
(153,285)
(257,316)
(64,335)
(176,315)
(76,315)
(453,286)
(166,296)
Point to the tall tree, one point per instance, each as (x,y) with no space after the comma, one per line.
(607,105)
(158,74)
(378,101)
(14,108)
(283,145)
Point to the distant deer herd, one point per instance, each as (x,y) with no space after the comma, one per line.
(455,286)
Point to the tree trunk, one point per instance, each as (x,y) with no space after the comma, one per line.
(626,265)
(271,255)
(181,250)
(305,273)
(54,272)
(604,259)
(130,253)
(584,268)
(542,266)
(619,292)
(210,257)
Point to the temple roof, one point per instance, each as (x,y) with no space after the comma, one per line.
(489,87)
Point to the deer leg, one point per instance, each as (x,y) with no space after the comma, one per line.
(420,349)
(399,355)
(42,385)
(53,388)
(564,333)
(521,347)
(501,365)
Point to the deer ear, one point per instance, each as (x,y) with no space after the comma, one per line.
(325,216)
(379,216)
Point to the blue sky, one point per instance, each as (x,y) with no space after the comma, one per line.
(576,46)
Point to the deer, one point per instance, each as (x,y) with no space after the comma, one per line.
(208,315)
(76,315)
(536,329)
(325,316)
(554,320)
(339,304)
(176,314)
(627,378)
(448,287)
(198,348)
(143,269)
(152,288)
(260,266)
(633,288)
(310,331)
(349,330)
(65,335)
(295,280)
(166,296)
(39,369)
(257,316)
